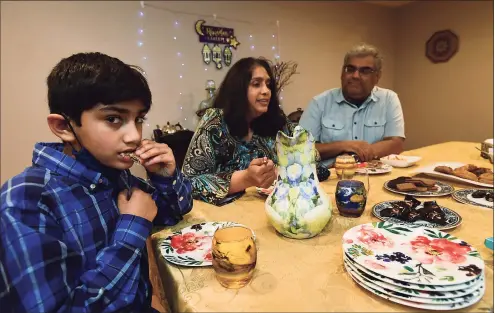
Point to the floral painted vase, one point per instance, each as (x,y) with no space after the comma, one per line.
(297,207)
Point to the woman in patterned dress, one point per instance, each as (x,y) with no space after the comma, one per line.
(233,147)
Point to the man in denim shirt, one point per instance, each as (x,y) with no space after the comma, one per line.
(360,117)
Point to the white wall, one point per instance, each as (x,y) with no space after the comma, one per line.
(35,35)
(453,100)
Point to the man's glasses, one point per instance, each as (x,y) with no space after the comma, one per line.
(365,70)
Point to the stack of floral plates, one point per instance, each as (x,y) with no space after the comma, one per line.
(414,266)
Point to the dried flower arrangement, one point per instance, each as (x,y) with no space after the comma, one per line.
(283,71)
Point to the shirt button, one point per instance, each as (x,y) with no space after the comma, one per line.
(355,137)
(333,125)
(92,186)
(375,123)
(355,123)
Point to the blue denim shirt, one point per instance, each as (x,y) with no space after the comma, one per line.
(329,117)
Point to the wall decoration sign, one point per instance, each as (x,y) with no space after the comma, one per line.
(216,36)
(442,46)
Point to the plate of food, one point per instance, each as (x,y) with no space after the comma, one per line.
(412,212)
(467,173)
(191,246)
(265,191)
(418,187)
(396,160)
(478,197)
(373,167)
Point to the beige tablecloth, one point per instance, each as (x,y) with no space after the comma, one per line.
(308,275)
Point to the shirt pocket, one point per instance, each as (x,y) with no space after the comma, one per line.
(374,130)
(332,130)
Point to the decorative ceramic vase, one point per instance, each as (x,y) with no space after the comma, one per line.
(297,207)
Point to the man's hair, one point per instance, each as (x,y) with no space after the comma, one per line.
(82,81)
(232,98)
(364,50)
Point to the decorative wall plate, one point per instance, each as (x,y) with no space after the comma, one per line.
(442,46)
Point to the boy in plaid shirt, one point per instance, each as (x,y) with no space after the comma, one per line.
(73,226)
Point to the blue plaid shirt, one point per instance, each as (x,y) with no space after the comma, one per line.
(64,246)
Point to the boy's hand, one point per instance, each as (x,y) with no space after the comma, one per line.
(141,204)
(156,157)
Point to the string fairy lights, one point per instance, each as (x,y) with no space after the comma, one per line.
(141,46)
(181,77)
(141,35)
(176,41)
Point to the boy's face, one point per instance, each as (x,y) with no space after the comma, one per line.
(107,131)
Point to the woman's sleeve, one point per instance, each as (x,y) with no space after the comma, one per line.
(200,162)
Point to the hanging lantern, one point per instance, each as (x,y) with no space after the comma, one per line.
(227,55)
(206,54)
(217,56)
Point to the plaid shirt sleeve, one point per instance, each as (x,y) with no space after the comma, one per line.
(173,197)
(40,273)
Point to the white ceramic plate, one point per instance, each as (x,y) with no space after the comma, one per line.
(465,196)
(429,170)
(385,168)
(470,285)
(409,297)
(400,160)
(430,294)
(442,189)
(453,219)
(191,246)
(436,307)
(405,254)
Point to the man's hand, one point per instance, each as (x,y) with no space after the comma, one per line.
(362,148)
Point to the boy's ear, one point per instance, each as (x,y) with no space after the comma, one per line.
(60,127)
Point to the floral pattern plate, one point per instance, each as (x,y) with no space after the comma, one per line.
(191,246)
(443,189)
(383,169)
(413,254)
(453,219)
(464,196)
(410,297)
(406,292)
(469,285)
(451,306)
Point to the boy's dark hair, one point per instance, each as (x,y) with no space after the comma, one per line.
(82,81)
(232,98)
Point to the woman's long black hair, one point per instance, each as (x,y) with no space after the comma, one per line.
(232,98)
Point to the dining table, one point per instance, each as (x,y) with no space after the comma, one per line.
(308,275)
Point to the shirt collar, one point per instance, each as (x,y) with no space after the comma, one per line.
(373,97)
(52,157)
